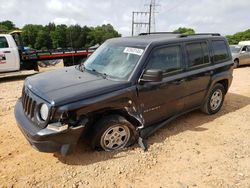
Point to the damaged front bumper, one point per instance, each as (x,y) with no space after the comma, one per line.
(47,139)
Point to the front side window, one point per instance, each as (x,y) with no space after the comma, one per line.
(220,50)
(167,59)
(114,60)
(198,54)
(3,42)
(244,49)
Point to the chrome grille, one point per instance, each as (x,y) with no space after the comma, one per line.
(29,105)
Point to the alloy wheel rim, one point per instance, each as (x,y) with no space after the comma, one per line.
(216,99)
(115,137)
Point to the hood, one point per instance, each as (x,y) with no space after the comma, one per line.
(234,55)
(70,85)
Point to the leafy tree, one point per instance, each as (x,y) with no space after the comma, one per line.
(84,36)
(43,40)
(7,25)
(99,34)
(75,37)
(55,36)
(237,37)
(3,29)
(50,27)
(59,36)
(185,30)
(30,33)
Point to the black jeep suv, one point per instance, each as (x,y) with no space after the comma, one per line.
(127,89)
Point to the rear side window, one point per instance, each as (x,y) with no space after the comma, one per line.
(220,51)
(3,42)
(167,59)
(197,54)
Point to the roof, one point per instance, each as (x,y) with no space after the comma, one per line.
(146,39)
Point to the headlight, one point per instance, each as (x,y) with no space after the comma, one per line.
(44,112)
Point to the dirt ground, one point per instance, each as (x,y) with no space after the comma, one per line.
(196,150)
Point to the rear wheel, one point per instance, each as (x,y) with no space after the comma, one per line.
(112,133)
(215,99)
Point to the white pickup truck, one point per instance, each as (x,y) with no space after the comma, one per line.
(13,57)
(9,54)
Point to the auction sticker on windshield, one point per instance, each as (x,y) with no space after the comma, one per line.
(136,51)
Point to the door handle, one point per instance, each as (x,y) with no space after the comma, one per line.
(6,52)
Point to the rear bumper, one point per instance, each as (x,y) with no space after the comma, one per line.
(47,140)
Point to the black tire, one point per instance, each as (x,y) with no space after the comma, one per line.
(115,127)
(211,106)
(236,63)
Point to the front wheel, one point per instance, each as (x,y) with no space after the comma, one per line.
(215,99)
(112,133)
(236,63)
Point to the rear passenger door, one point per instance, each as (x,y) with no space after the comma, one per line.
(160,100)
(198,76)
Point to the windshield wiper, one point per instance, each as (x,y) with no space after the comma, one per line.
(104,75)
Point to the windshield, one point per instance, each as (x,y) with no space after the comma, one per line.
(114,60)
(235,49)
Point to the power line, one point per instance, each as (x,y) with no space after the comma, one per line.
(138,23)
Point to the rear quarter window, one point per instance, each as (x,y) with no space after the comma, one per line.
(220,51)
(3,42)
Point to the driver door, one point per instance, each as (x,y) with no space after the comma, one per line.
(7,56)
(160,100)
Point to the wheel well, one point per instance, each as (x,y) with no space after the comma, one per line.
(224,83)
(105,112)
(237,59)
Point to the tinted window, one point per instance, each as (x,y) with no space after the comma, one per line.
(220,50)
(246,49)
(3,42)
(197,54)
(205,52)
(166,59)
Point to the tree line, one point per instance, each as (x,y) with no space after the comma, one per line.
(52,36)
(232,39)
(75,36)
(237,37)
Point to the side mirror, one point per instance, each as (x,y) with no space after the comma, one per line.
(152,75)
(242,52)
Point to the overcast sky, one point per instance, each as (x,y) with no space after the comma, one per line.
(223,16)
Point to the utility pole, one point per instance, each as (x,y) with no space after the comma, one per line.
(151,18)
(153,11)
(134,23)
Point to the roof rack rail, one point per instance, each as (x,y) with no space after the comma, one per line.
(157,33)
(200,34)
